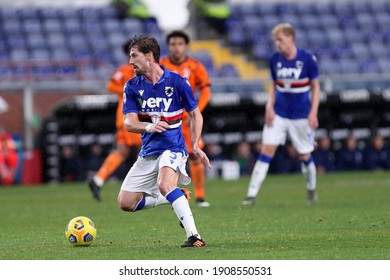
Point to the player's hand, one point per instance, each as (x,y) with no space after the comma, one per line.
(269,116)
(313,121)
(203,157)
(158,127)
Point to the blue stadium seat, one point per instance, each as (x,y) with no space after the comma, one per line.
(36,40)
(11,27)
(205,57)
(55,40)
(116,39)
(251,23)
(365,19)
(46,13)
(322,7)
(269,22)
(369,66)
(283,8)
(9,13)
(16,41)
(151,26)
(360,50)
(335,36)
(379,50)
(328,21)
(341,52)
(304,9)
(228,70)
(68,13)
(28,13)
(132,26)
(293,19)
(91,26)
(61,53)
(266,8)
(52,26)
(71,25)
(99,43)
(261,51)
(310,22)
(89,13)
(382,20)
(30,26)
(359,6)
(353,35)
(77,42)
(236,37)
(40,54)
(379,6)
(328,67)
(111,25)
(108,11)
(349,66)
(384,65)
(18,54)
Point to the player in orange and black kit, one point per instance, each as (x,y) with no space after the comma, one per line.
(127,143)
(178,61)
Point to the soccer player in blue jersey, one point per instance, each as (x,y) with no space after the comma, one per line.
(292,110)
(154,103)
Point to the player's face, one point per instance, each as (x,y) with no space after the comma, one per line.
(283,42)
(139,61)
(177,48)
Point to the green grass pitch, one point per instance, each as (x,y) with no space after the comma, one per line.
(351,222)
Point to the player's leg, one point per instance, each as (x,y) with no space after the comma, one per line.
(197,171)
(302,137)
(172,171)
(272,137)
(259,173)
(111,163)
(139,189)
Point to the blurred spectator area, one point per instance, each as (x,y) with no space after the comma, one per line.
(346,36)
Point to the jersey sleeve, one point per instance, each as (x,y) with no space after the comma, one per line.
(129,100)
(187,95)
(313,67)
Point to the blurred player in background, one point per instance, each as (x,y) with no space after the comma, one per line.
(9,157)
(292,109)
(127,144)
(154,103)
(179,62)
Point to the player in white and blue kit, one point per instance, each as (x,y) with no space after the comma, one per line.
(154,102)
(292,110)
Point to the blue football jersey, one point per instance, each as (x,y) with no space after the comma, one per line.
(166,101)
(293,83)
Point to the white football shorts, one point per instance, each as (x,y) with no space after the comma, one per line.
(299,131)
(142,176)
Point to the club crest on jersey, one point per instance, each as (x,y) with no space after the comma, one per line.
(169,91)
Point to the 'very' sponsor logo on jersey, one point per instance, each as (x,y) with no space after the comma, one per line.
(289,72)
(156,103)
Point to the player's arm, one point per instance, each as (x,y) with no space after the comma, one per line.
(196,124)
(115,84)
(269,107)
(315,103)
(114,87)
(204,87)
(132,124)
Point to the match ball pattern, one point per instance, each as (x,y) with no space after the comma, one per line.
(80,231)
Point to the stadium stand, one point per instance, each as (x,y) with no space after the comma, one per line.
(332,29)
